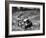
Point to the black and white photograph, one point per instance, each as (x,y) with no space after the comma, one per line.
(25,19)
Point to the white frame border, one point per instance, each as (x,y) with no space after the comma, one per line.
(25,32)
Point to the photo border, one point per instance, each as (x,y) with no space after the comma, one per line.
(7,18)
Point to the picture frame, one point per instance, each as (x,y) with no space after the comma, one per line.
(9,7)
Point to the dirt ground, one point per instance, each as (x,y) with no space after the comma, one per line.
(33,15)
